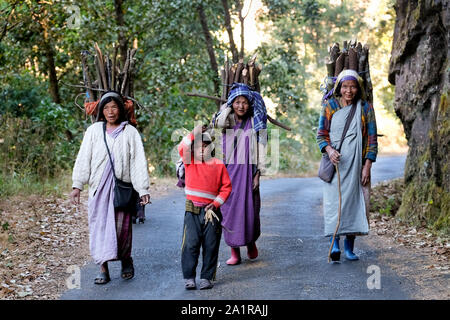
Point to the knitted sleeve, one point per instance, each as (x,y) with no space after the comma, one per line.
(184,148)
(372,142)
(82,168)
(225,188)
(323,131)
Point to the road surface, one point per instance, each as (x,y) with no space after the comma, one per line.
(292,262)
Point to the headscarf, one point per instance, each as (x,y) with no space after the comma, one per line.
(254,99)
(345,75)
(126,106)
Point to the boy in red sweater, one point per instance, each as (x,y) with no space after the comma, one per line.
(207,188)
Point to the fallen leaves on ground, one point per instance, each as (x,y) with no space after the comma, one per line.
(384,223)
(41,237)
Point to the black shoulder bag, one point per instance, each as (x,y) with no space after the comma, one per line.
(326,168)
(125,197)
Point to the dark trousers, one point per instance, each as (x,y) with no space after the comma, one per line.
(195,235)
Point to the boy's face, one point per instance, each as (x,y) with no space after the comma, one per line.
(202,153)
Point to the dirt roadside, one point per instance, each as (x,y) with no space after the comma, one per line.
(41,237)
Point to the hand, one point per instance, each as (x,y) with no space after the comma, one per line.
(210,206)
(199,129)
(256,181)
(333,154)
(75,196)
(145,199)
(365,175)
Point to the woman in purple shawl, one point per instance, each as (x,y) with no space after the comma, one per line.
(110,229)
(240,148)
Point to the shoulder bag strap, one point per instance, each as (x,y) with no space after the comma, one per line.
(347,124)
(109,154)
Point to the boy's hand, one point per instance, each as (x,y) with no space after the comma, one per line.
(199,129)
(210,206)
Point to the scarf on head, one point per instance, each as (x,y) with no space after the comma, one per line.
(256,103)
(345,75)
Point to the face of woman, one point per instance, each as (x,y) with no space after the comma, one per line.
(111,112)
(240,106)
(349,90)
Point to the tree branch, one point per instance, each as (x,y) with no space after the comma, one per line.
(233,48)
(209,46)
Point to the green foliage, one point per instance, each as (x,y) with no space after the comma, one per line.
(41,138)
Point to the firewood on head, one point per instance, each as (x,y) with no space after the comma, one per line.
(330,67)
(99,77)
(224,88)
(113,67)
(87,77)
(245,76)
(362,60)
(101,65)
(346,61)
(232,74)
(335,52)
(239,67)
(339,64)
(352,59)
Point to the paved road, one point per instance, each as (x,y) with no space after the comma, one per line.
(293,253)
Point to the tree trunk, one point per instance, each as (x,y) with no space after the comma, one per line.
(209,47)
(420,70)
(239,7)
(49,53)
(123,41)
(51,71)
(233,48)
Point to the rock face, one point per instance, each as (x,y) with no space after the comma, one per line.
(420,70)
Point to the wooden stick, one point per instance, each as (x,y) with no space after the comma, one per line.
(113,73)
(239,68)
(245,75)
(101,65)
(99,77)
(87,77)
(201,95)
(352,59)
(339,212)
(125,72)
(231,74)
(277,123)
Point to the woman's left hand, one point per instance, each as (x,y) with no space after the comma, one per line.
(365,175)
(256,181)
(145,199)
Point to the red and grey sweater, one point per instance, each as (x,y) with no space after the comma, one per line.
(205,181)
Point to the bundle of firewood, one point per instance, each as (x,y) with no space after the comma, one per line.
(239,72)
(107,75)
(354,56)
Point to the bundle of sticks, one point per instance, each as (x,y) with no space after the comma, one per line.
(353,56)
(107,75)
(241,73)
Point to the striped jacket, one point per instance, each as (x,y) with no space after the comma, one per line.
(206,181)
(369,127)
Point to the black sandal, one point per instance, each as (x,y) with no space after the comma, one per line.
(127,269)
(102,278)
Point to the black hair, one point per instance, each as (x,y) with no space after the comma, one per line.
(104,102)
(198,138)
